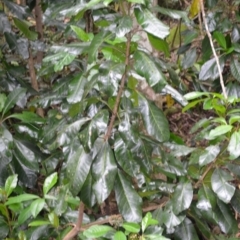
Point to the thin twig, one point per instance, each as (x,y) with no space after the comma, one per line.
(77,226)
(213,49)
(121,88)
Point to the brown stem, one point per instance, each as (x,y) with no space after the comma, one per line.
(77,226)
(121,88)
(39,27)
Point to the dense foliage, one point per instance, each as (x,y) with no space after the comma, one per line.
(111,110)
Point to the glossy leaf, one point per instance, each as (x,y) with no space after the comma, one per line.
(150,23)
(220,39)
(66,60)
(210,154)
(76,89)
(146,67)
(235,69)
(186,231)
(37,206)
(206,198)
(12,99)
(220,185)
(97,231)
(170,219)
(49,182)
(21,198)
(182,197)
(129,202)
(95,44)
(148,221)
(220,130)
(225,218)
(209,69)
(4,228)
(104,171)
(10,184)
(78,167)
(119,236)
(154,120)
(27,117)
(81,34)
(24,28)
(131,227)
(124,26)
(234,145)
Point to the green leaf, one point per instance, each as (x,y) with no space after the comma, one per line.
(194,95)
(206,198)
(186,231)
(220,185)
(146,68)
(53,218)
(234,145)
(235,69)
(12,98)
(104,171)
(38,223)
(26,159)
(66,60)
(159,44)
(119,236)
(11,184)
(95,45)
(131,227)
(220,130)
(21,198)
(4,228)
(129,202)
(209,69)
(219,36)
(81,34)
(97,231)
(148,221)
(49,182)
(170,219)
(150,23)
(76,88)
(137,1)
(27,117)
(124,26)
(3,99)
(182,197)
(78,167)
(235,201)
(24,28)
(24,215)
(37,206)
(154,120)
(224,217)
(209,155)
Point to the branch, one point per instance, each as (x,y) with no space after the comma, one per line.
(213,49)
(77,226)
(121,88)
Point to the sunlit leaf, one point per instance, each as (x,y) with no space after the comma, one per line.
(182,197)
(24,28)
(37,206)
(12,98)
(210,154)
(221,186)
(234,145)
(11,184)
(49,182)
(78,167)
(27,117)
(129,202)
(186,231)
(150,23)
(104,171)
(97,231)
(155,121)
